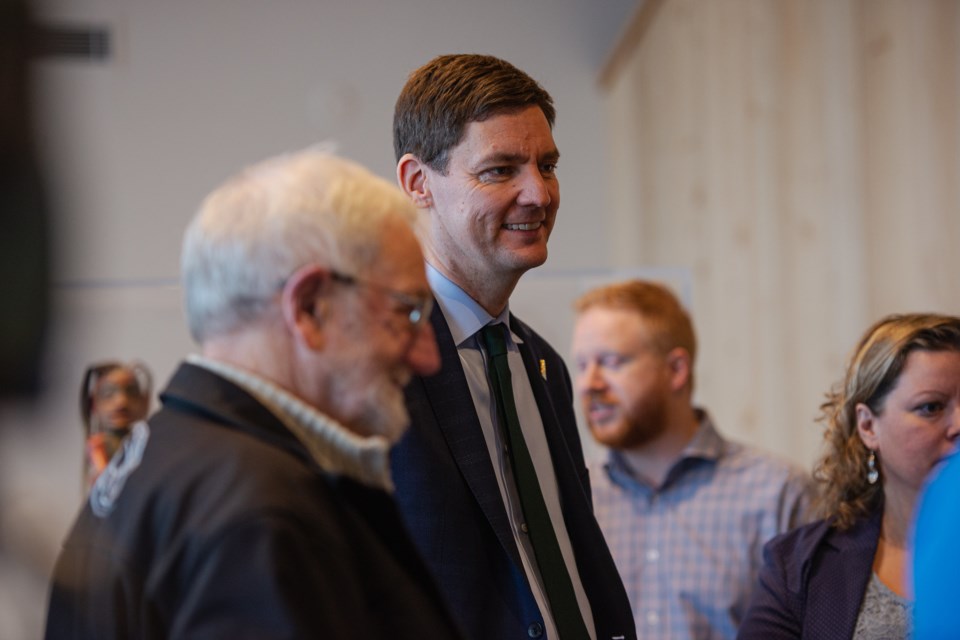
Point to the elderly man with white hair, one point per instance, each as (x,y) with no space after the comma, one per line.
(256,503)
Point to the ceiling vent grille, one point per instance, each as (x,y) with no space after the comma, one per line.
(72,41)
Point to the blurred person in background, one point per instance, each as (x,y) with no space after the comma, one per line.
(113,396)
(685,511)
(24,246)
(25,291)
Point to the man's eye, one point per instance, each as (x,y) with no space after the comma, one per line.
(548,168)
(496,173)
(611,362)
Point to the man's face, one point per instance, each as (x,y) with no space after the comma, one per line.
(623,382)
(492,213)
(372,343)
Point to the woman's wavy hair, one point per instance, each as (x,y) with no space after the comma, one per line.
(872,372)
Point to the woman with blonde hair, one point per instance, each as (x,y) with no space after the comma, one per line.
(893,419)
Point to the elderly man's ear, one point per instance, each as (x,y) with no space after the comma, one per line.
(412,177)
(304,304)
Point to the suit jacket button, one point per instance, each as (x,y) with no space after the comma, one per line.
(535,630)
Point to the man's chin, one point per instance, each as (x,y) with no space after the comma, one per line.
(609,435)
(535,259)
(524,257)
(392,419)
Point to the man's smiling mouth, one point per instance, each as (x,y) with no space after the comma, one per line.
(526,226)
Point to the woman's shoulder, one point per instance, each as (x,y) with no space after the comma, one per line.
(801,541)
(805,540)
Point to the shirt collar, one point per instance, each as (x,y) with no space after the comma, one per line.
(335,448)
(706,445)
(463,314)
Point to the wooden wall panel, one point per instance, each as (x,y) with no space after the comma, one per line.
(801,158)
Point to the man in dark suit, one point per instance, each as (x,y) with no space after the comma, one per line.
(255,503)
(497,498)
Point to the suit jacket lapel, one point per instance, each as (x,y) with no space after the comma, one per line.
(566,472)
(449,396)
(842,570)
(842,583)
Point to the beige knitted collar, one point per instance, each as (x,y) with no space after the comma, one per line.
(335,448)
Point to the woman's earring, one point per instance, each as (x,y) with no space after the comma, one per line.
(872,474)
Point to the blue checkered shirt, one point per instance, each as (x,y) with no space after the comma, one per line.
(689,551)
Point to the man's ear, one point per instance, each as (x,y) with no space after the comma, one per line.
(304,304)
(412,178)
(866,423)
(678,360)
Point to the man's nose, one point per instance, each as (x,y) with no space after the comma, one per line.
(534,191)
(423,357)
(589,378)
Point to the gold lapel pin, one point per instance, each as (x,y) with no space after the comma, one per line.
(543,369)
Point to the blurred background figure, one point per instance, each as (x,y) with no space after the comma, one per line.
(895,417)
(113,396)
(24,289)
(24,251)
(685,511)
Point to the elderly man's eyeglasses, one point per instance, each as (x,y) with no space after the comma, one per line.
(417,308)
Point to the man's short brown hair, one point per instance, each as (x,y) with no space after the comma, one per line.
(445,95)
(670,323)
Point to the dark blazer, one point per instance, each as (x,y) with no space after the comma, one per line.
(448,494)
(812,582)
(227,528)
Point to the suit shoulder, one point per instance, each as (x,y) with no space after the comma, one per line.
(221,472)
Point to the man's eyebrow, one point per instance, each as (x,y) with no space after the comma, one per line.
(504,158)
(517,158)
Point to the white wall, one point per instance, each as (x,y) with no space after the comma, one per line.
(196,90)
